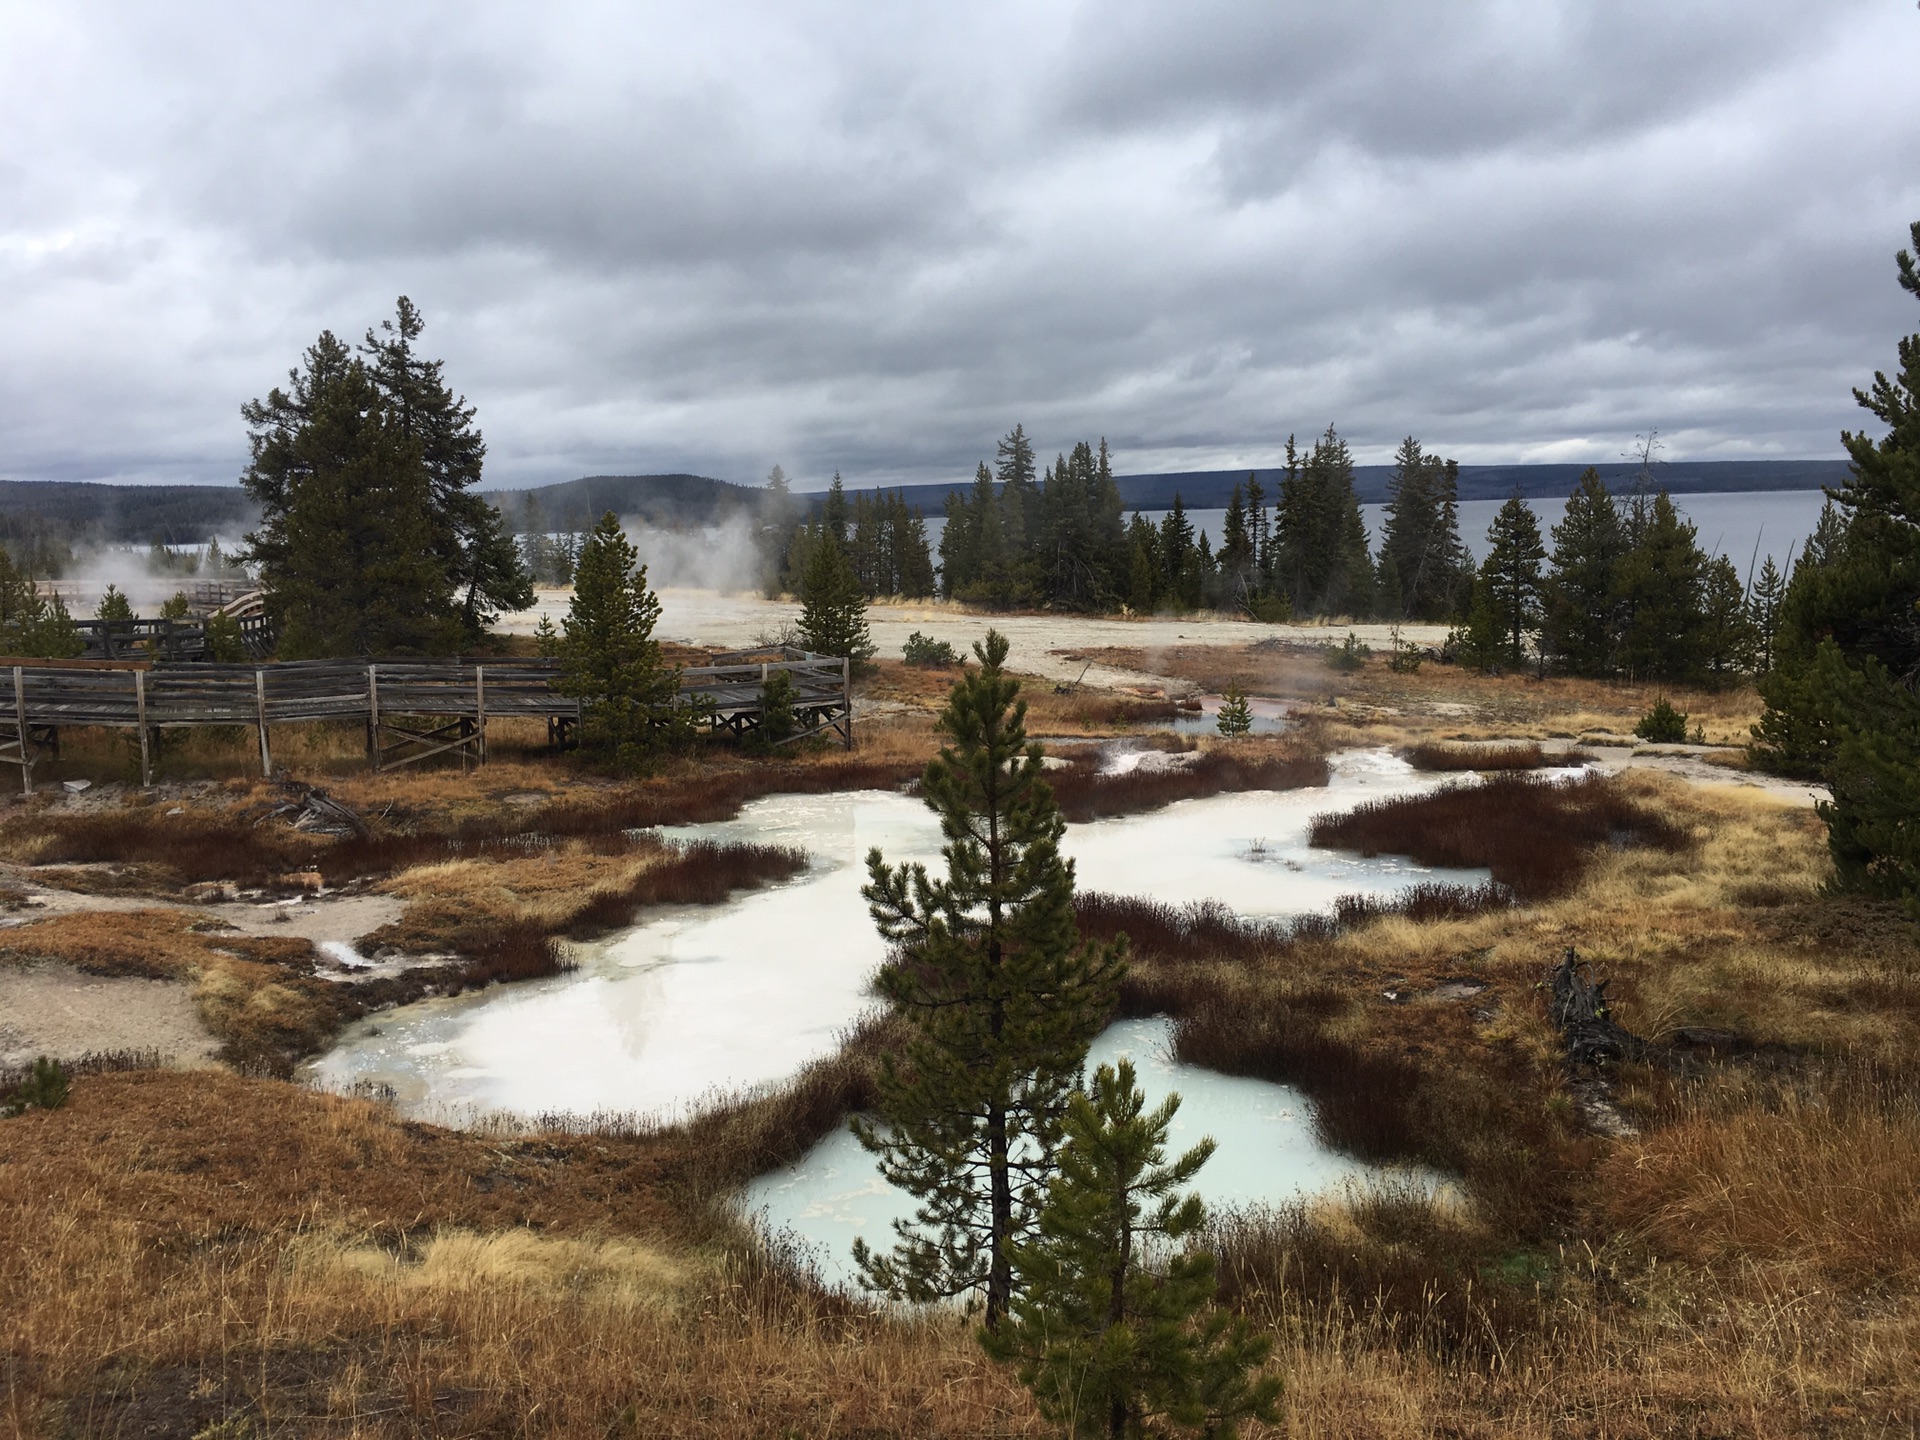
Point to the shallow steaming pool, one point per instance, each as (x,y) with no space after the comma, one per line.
(704,1001)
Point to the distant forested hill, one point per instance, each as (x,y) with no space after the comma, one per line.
(657,499)
(81,512)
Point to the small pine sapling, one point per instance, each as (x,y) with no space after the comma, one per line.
(45,1088)
(1236,715)
(1113,1328)
(1348,656)
(1663,724)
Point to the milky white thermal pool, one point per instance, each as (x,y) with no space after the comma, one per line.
(701,1001)
(1267,1154)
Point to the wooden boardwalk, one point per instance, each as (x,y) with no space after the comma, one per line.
(411,709)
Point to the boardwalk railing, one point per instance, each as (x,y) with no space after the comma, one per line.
(412,709)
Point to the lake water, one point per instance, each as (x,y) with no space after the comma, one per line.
(702,1001)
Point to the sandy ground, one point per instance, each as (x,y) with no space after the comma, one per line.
(1040,644)
(57,1011)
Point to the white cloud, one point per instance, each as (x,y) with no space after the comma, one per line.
(871,238)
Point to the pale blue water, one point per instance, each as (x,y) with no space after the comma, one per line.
(1267,1154)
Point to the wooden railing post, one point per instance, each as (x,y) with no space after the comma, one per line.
(20,718)
(260,712)
(373,715)
(140,710)
(480,710)
(846,694)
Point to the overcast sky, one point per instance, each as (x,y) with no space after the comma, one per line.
(712,237)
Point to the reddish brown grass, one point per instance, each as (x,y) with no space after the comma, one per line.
(1086,795)
(1535,836)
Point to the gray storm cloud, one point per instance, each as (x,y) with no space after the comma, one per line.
(871,237)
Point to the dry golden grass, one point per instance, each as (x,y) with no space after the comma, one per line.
(202,1249)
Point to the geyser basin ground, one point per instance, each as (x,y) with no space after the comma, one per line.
(702,1001)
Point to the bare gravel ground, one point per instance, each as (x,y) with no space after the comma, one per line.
(1041,644)
(57,1011)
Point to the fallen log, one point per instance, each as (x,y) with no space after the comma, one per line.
(1578,1005)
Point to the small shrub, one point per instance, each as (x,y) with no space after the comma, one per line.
(1663,725)
(45,1088)
(1270,609)
(1348,656)
(777,720)
(1405,656)
(931,654)
(1236,716)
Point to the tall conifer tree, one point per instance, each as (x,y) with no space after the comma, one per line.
(1511,573)
(1580,630)
(1001,997)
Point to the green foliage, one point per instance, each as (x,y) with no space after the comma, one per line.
(931,654)
(1113,1328)
(225,645)
(113,605)
(1350,655)
(1511,577)
(546,639)
(1404,657)
(1424,569)
(1000,997)
(31,625)
(1661,586)
(1727,637)
(1841,697)
(1236,715)
(1663,724)
(888,547)
(176,608)
(609,659)
(777,718)
(45,1088)
(1320,542)
(833,610)
(371,540)
(1580,623)
(1763,613)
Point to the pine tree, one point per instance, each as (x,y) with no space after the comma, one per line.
(1511,575)
(30,624)
(1726,633)
(609,660)
(1320,540)
(1236,552)
(1841,699)
(1178,561)
(469,536)
(833,510)
(1479,640)
(1236,715)
(1113,1327)
(346,546)
(833,611)
(1001,999)
(113,605)
(916,560)
(1763,612)
(1661,584)
(1580,624)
